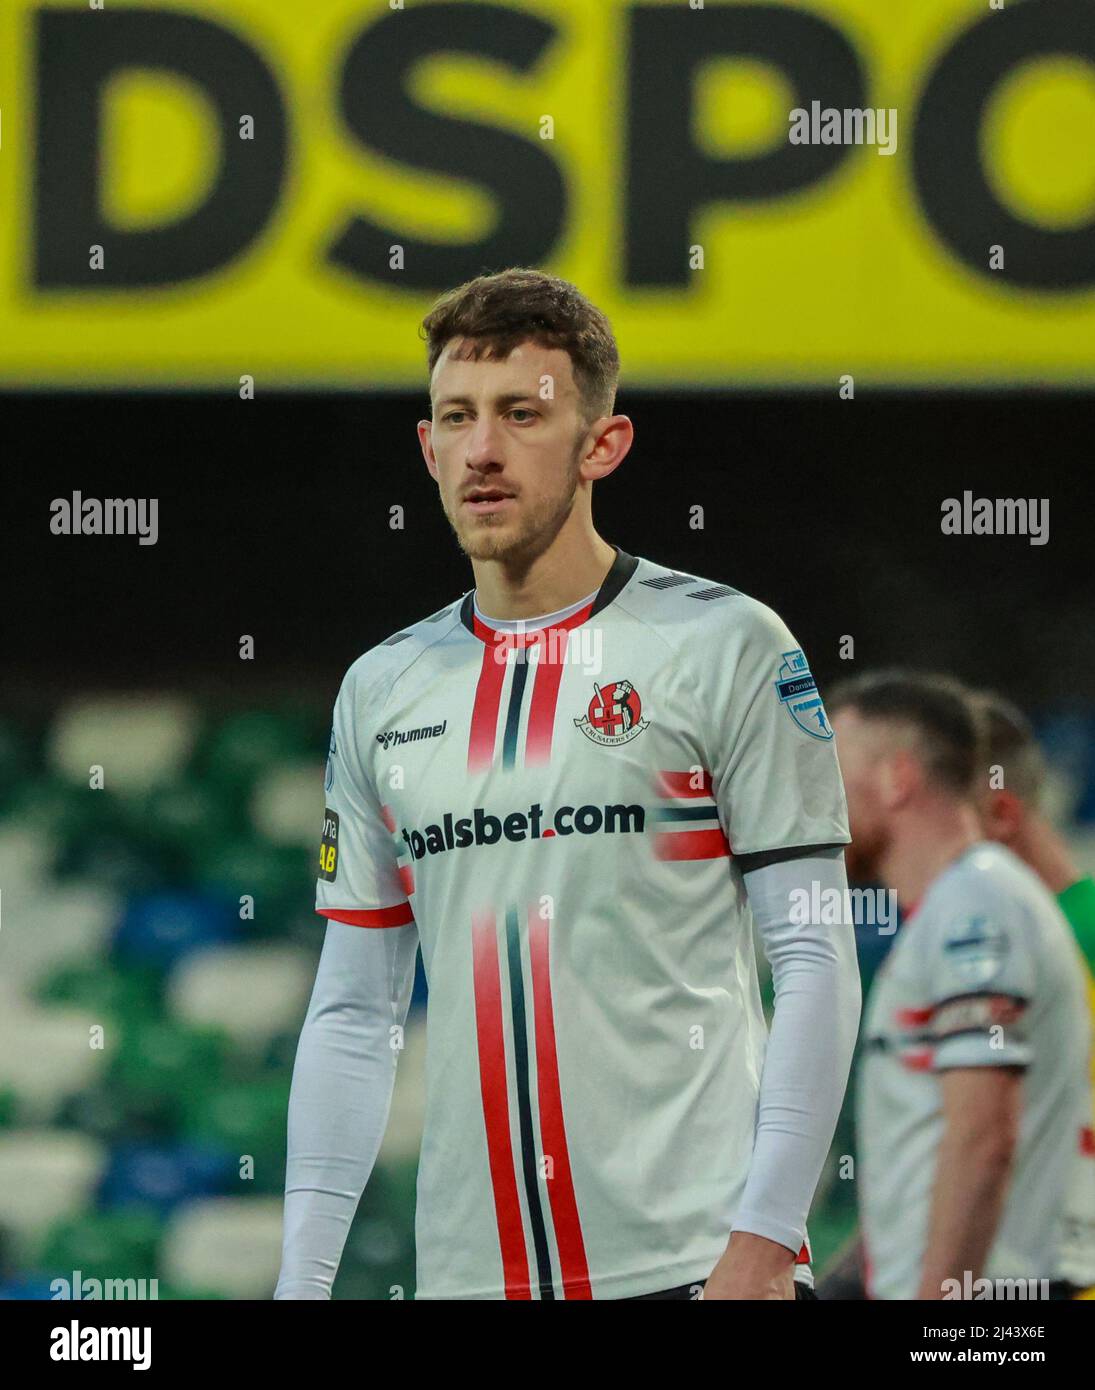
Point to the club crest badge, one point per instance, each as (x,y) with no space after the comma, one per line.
(615,714)
(976,952)
(797,691)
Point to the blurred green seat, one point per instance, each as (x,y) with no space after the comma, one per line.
(245,1118)
(7,1107)
(67,811)
(251,743)
(129,996)
(380,1251)
(276,877)
(117,1244)
(16,761)
(161,1063)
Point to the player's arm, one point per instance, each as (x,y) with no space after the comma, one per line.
(982,1108)
(345,1065)
(980,975)
(781,800)
(809,1055)
(341,1095)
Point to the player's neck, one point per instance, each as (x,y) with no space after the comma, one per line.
(573,566)
(927,840)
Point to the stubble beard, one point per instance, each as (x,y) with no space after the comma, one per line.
(530,534)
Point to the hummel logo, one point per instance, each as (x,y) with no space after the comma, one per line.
(410,735)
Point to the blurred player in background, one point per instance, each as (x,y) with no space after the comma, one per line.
(578,839)
(1012,782)
(974,1082)
(1011,814)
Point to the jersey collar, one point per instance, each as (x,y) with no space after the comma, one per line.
(623,567)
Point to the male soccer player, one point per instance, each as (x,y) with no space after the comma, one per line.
(974,1083)
(1012,785)
(573,787)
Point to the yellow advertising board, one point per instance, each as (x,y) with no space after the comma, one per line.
(755,193)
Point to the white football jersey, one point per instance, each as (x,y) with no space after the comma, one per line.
(985,973)
(559,813)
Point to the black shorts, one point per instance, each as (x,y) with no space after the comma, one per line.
(688,1291)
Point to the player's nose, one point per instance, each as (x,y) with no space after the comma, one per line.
(484,445)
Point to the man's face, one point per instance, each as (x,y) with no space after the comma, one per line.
(507,462)
(861,749)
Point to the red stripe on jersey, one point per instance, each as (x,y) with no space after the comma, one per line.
(564,1205)
(545,698)
(913,1018)
(1087,1141)
(492,1081)
(406,879)
(691,844)
(388,818)
(918,1061)
(397,916)
(577,619)
(484,715)
(803,1257)
(683,784)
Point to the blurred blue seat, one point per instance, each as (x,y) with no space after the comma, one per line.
(163,1175)
(28,1286)
(159,928)
(1067,737)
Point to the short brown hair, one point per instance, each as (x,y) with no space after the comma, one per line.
(502,310)
(950,729)
(1012,744)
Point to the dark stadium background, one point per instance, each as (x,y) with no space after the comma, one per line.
(274,521)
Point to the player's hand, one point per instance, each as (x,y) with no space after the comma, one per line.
(752,1267)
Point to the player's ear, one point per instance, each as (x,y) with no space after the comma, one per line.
(425,440)
(1002,812)
(901,774)
(611,439)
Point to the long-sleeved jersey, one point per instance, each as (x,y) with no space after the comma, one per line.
(566,816)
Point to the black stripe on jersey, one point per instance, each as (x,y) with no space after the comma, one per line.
(716,591)
(900,1043)
(623,567)
(513,714)
(524,1107)
(763,857)
(704,812)
(1021,999)
(669,581)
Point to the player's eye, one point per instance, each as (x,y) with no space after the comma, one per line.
(450,418)
(523,410)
